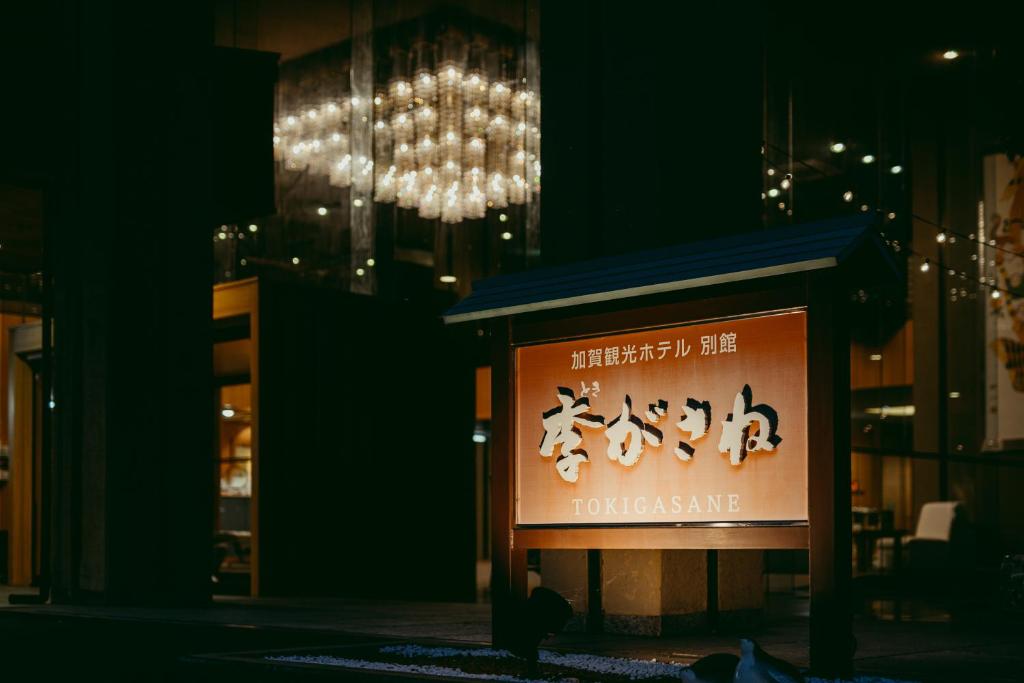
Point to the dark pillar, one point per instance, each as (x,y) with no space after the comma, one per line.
(828,348)
(508,566)
(132,271)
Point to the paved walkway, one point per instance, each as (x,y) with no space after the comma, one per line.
(913,651)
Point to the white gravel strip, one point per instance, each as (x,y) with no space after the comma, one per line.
(424,669)
(633,669)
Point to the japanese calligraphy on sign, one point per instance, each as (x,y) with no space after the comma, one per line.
(694,423)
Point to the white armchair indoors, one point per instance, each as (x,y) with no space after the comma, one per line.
(941,541)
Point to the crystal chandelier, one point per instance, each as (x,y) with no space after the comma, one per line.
(451,137)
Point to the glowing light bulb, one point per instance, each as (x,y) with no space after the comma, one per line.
(837,147)
(774,192)
(950,55)
(253,227)
(848,196)
(867,159)
(447,279)
(506,235)
(940,238)
(371,262)
(925,267)
(360,272)
(322,211)
(295,260)
(896,170)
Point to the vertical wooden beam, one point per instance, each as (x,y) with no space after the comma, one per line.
(22,481)
(828,357)
(254,403)
(595,601)
(508,566)
(712,590)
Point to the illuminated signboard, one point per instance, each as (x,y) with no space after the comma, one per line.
(696,423)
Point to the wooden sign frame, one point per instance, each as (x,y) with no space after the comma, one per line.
(827,533)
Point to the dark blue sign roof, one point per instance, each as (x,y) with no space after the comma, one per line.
(764,253)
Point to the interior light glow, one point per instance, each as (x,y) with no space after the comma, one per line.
(896,411)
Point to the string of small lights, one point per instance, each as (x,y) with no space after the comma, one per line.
(926,264)
(943,236)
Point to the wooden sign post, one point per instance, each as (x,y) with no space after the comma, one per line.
(705,412)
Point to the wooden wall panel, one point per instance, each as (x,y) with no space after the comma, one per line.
(7,321)
(884,365)
(21,485)
(235,298)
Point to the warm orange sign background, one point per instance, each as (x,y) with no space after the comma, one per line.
(770,354)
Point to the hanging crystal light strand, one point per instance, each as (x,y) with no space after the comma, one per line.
(385,182)
(474,131)
(425,115)
(339,167)
(449,102)
(400,100)
(498,129)
(517,171)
